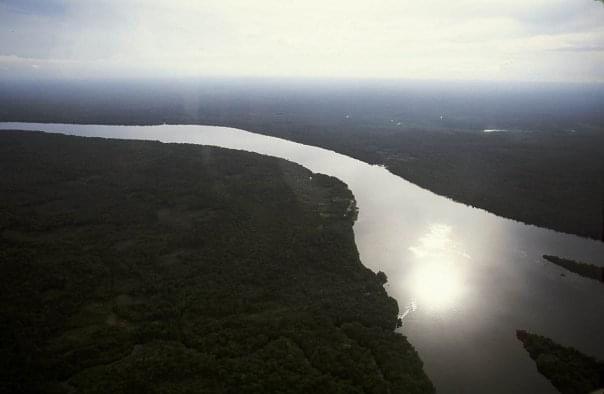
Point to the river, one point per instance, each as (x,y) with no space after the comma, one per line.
(464,279)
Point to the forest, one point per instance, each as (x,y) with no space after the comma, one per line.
(547,169)
(569,371)
(142,267)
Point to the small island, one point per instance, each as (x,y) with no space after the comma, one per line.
(583,269)
(569,370)
(133,266)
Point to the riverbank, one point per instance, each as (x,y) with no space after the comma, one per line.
(134,265)
(548,179)
(569,370)
(583,269)
(551,177)
(398,229)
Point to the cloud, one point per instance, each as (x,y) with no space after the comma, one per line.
(34,7)
(439,39)
(581,48)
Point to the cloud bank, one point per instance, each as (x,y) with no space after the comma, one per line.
(540,40)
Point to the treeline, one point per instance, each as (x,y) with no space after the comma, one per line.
(132,266)
(550,176)
(569,371)
(586,270)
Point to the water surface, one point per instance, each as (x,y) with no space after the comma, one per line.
(464,279)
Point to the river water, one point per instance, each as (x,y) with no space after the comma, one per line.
(464,279)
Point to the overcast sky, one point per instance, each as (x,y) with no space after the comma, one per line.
(527,40)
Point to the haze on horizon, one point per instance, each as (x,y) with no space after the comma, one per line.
(504,40)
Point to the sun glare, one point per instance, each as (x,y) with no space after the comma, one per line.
(436,277)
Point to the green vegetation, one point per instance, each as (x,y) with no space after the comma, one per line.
(583,269)
(132,266)
(549,177)
(570,371)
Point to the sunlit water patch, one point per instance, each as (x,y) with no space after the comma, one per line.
(464,279)
(436,279)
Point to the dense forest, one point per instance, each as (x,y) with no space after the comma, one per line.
(547,169)
(570,371)
(142,267)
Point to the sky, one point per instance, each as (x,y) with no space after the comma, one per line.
(502,40)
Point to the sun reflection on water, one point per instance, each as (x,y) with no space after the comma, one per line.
(436,277)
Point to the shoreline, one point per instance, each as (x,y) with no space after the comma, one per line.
(335,305)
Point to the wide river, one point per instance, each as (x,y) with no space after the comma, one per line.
(464,279)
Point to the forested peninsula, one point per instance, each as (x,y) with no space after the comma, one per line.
(132,266)
(539,171)
(568,370)
(583,269)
